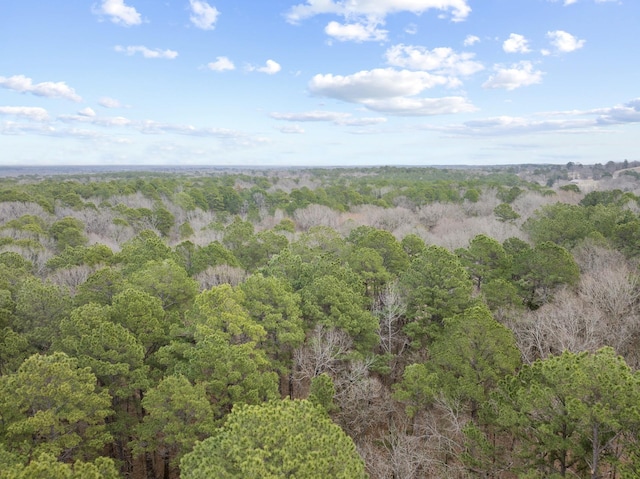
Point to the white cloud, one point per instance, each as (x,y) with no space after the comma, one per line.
(120,13)
(29,112)
(87,112)
(291,129)
(203,16)
(509,125)
(83,117)
(627,113)
(564,42)
(378,83)
(516,44)
(555,121)
(470,40)
(337,118)
(519,75)
(571,2)
(271,68)
(221,64)
(357,32)
(147,52)
(390,91)
(109,102)
(376,9)
(440,60)
(22,84)
(420,106)
(411,29)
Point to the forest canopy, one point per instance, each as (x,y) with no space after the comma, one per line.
(349,322)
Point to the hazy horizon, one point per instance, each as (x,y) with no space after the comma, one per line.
(318,83)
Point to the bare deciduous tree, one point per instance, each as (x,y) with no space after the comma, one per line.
(220,274)
(316,215)
(325,351)
(390,308)
(72,277)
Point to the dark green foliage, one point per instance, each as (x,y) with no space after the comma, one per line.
(330,301)
(201,258)
(539,271)
(570,413)
(50,405)
(78,255)
(509,195)
(571,187)
(47,466)
(436,286)
(100,287)
(272,304)
(178,415)
(485,259)
(146,246)
(167,281)
(394,258)
(505,213)
(39,309)
(322,392)
(560,223)
(67,232)
(275,439)
(466,361)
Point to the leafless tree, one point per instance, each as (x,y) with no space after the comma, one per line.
(220,274)
(431,214)
(72,277)
(324,351)
(11,210)
(390,308)
(37,256)
(484,206)
(364,403)
(316,215)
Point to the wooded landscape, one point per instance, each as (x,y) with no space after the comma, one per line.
(391,323)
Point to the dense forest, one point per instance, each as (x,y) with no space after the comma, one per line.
(391,323)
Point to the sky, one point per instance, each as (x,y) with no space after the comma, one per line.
(319,82)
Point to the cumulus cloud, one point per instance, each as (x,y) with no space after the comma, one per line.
(87,112)
(119,13)
(109,102)
(271,67)
(388,90)
(378,83)
(442,60)
(337,118)
(147,52)
(470,40)
(518,75)
(357,32)
(627,113)
(203,15)
(22,84)
(376,10)
(221,64)
(403,106)
(516,44)
(564,42)
(28,112)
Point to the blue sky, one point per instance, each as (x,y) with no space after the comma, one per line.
(319,82)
